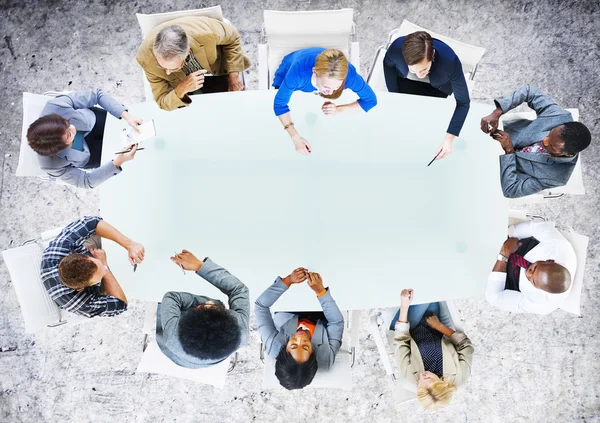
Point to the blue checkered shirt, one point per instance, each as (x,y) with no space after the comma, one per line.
(89,301)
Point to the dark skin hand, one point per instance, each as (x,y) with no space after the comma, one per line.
(505,141)
(509,247)
(491,120)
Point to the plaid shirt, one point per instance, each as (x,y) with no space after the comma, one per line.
(89,301)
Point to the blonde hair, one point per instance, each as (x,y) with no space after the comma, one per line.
(437,396)
(333,64)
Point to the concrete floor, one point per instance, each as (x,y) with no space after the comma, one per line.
(526,368)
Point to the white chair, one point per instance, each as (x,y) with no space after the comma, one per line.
(379,324)
(154,361)
(37,308)
(580,243)
(574,185)
(285,32)
(340,374)
(33,104)
(469,56)
(150,21)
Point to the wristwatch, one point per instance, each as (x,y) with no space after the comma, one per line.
(502,258)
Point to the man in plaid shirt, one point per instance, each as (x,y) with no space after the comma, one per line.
(75,273)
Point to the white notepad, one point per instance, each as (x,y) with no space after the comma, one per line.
(131,136)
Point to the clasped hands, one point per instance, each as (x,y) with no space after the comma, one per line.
(489,125)
(299,275)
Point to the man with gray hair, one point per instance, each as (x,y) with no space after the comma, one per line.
(177,54)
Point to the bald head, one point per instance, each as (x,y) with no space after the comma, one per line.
(171,42)
(549,276)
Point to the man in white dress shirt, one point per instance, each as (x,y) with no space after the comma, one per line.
(534,271)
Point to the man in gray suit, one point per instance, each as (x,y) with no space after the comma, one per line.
(301,343)
(539,154)
(68,137)
(195,331)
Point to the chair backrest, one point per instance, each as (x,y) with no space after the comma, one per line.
(580,244)
(154,361)
(33,104)
(37,308)
(339,375)
(468,54)
(290,31)
(150,21)
(574,185)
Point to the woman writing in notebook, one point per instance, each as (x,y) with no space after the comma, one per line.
(68,137)
(324,72)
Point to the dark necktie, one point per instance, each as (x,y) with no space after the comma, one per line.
(518,261)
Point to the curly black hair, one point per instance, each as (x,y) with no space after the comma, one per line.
(576,136)
(209,332)
(293,375)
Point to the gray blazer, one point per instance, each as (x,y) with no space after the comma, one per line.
(75,108)
(524,174)
(174,303)
(326,339)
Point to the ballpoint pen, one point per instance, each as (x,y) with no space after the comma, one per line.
(182,269)
(128,151)
(434,158)
(134,266)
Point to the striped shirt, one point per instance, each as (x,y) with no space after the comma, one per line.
(88,302)
(191,64)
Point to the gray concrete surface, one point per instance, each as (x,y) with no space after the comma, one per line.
(527,368)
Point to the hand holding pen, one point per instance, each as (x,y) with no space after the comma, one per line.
(125,155)
(187,261)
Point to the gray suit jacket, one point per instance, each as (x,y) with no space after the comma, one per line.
(174,303)
(524,174)
(326,339)
(75,108)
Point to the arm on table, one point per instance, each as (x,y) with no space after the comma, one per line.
(237,293)
(269,335)
(335,323)
(82,178)
(71,102)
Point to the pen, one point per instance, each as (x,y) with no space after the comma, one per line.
(127,151)
(134,266)
(182,269)
(434,158)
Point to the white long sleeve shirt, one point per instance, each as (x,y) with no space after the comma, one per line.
(553,245)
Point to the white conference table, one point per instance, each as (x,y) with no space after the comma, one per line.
(222,179)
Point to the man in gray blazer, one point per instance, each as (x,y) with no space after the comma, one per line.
(195,331)
(539,154)
(301,343)
(68,137)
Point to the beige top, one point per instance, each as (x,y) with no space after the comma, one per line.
(215,44)
(457,355)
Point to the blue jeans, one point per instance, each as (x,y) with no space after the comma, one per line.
(417,311)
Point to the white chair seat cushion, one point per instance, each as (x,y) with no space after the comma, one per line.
(33,104)
(37,307)
(572,303)
(290,31)
(150,21)
(154,361)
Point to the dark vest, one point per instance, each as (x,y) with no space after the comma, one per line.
(513,273)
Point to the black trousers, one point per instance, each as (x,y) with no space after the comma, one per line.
(95,137)
(408,86)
